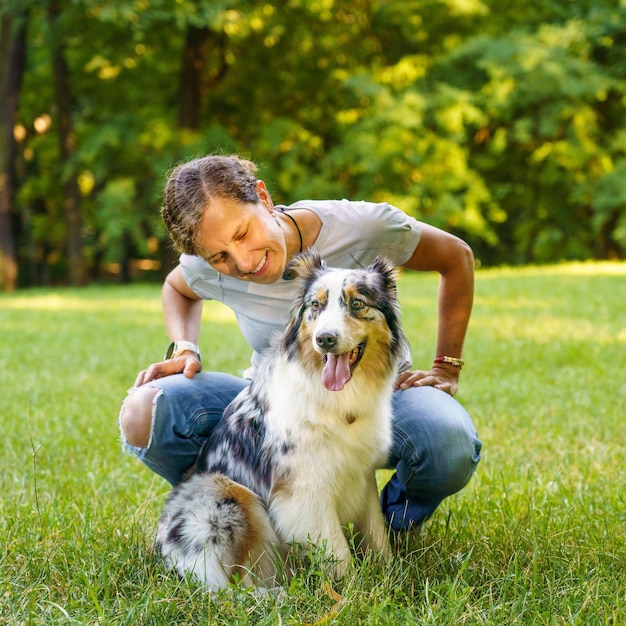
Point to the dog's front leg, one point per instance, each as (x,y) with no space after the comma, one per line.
(371,526)
(301,523)
(333,539)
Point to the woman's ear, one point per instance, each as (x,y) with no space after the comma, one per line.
(264,195)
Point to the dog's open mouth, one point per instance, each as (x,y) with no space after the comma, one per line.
(338,367)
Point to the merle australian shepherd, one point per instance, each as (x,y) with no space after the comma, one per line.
(293,459)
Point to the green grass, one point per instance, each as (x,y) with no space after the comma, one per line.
(538,537)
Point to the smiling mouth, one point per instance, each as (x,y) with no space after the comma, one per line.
(257,269)
(338,368)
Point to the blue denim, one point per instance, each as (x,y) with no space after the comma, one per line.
(435,452)
(435,448)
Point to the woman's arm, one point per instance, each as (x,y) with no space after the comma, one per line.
(182,310)
(453,259)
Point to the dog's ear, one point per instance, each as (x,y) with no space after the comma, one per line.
(387,271)
(389,305)
(305,264)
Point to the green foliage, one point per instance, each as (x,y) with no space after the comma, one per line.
(538,536)
(501,121)
(609,198)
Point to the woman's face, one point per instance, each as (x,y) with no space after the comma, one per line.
(244,240)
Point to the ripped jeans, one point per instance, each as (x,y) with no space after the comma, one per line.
(435,447)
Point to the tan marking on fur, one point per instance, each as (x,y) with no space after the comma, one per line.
(321,295)
(281,488)
(310,359)
(250,504)
(351,292)
(376,359)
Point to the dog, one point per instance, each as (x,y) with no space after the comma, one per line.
(292,461)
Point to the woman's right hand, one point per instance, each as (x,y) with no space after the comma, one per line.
(187,364)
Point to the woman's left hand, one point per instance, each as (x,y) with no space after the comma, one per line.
(444,377)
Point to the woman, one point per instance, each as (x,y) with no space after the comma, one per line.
(235,245)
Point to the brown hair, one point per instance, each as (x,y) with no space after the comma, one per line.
(192,186)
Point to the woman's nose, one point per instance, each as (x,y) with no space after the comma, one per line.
(244,260)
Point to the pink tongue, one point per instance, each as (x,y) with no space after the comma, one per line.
(336,372)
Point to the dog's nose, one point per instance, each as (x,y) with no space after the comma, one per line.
(326,340)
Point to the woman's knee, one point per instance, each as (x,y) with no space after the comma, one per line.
(136,416)
(443,466)
(435,443)
(462,460)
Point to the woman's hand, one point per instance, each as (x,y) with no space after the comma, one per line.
(187,363)
(444,377)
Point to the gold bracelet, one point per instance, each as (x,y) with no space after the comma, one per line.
(451,360)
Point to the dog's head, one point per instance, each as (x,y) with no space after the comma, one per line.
(344,320)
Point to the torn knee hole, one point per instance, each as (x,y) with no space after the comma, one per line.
(137,415)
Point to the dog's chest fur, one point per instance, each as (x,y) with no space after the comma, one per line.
(308,440)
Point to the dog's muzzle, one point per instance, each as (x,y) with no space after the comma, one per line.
(338,367)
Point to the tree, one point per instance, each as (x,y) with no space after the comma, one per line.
(64,104)
(539,142)
(500,121)
(13,37)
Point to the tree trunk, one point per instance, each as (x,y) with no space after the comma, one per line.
(13,30)
(191,72)
(203,48)
(71,199)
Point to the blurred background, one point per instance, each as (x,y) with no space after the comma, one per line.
(502,121)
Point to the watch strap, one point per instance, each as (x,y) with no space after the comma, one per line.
(176,348)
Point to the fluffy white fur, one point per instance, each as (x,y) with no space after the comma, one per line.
(293,459)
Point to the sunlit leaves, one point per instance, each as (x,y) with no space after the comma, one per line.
(501,121)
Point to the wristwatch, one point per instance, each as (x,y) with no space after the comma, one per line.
(176,348)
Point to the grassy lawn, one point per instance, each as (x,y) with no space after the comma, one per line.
(538,537)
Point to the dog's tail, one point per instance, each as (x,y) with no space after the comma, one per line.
(215,528)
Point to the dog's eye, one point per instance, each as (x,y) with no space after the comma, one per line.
(315,305)
(357,304)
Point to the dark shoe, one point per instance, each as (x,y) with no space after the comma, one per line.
(400,513)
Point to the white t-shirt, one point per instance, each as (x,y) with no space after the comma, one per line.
(353,234)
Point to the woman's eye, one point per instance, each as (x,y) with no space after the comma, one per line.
(218,258)
(357,304)
(242,236)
